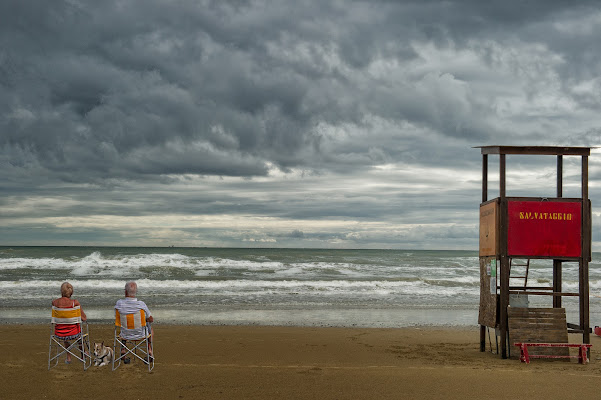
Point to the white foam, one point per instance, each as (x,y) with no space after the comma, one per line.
(246,287)
(260,277)
(98,264)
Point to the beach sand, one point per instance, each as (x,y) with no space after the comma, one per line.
(242,362)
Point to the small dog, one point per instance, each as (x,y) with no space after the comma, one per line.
(103,355)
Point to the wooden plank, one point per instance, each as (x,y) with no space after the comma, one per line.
(536,150)
(552,312)
(489,223)
(539,325)
(549,199)
(537,338)
(488,302)
(526,323)
(527,292)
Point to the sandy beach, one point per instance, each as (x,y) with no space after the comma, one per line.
(242,362)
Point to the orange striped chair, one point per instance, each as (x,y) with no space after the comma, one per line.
(77,345)
(132,337)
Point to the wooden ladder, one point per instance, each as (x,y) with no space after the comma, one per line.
(526,264)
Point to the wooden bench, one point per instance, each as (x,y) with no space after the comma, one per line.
(525,357)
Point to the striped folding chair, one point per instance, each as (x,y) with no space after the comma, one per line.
(132,337)
(79,347)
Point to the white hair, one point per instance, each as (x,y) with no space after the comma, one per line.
(131,288)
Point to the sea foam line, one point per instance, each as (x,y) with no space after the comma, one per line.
(149,283)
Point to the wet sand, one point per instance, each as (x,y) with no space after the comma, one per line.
(242,362)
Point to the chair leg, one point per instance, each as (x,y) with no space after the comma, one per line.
(50,358)
(86,354)
(150,357)
(135,349)
(49,353)
(119,354)
(55,352)
(81,345)
(82,352)
(116,354)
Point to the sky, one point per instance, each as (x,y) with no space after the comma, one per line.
(305,123)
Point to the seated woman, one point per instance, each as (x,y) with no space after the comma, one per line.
(67,331)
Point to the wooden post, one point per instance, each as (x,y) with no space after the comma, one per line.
(557,271)
(557,266)
(484,198)
(502,176)
(504,283)
(484,178)
(584,260)
(559,176)
(504,260)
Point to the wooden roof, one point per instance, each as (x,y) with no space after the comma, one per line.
(536,150)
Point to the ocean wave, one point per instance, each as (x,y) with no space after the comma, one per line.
(272,278)
(166,266)
(247,288)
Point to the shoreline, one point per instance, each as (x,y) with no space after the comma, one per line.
(351,317)
(365,317)
(264,362)
(103,326)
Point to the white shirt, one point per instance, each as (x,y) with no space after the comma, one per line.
(131,305)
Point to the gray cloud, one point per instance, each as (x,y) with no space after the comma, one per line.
(352,113)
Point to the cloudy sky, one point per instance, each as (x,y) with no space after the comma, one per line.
(342,124)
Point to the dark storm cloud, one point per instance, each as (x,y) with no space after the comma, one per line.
(88,85)
(308,110)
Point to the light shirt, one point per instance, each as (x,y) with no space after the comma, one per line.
(131,305)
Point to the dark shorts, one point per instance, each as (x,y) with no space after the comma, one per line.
(72,337)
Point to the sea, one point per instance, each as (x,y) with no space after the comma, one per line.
(284,287)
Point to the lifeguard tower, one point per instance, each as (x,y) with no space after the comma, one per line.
(515,230)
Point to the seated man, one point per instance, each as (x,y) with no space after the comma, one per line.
(129,305)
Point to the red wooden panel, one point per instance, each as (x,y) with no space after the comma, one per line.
(547,229)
